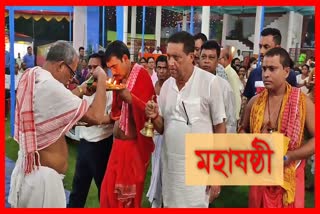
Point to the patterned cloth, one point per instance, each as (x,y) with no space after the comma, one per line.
(121,187)
(123,123)
(291,124)
(45,110)
(37,128)
(221,72)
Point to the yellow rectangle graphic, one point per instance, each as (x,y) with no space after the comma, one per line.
(235,159)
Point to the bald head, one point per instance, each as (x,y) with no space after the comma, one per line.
(224,59)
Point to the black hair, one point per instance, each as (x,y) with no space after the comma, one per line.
(118,49)
(150,57)
(285,59)
(211,45)
(162,58)
(201,36)
(273,32)
(101,57)
(234,59)
(143,58)
(185,38)
(308,67)
(234,66)
(252,59)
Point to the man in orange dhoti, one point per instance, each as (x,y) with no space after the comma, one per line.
(123,182)
(287,110)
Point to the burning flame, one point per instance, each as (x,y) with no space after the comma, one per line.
(114,82)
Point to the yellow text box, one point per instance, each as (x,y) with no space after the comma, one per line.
(235,159)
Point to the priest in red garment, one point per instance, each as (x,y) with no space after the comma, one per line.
(123,182)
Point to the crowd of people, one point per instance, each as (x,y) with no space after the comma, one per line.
(196,87)
(19,67)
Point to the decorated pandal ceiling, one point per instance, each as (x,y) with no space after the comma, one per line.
(37,15)
(237,10)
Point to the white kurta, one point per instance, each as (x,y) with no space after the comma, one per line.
(235,84)
(203,101)
(98,132)
(304,89)
(229,102)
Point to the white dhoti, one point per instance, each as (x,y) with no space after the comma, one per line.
(175,192)
(154,193)
(40,188)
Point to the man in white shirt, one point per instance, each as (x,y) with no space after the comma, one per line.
(157,51)
(19,60)
(209,55)
(238,55)
(17,75)
(93,150)
(190,101)
(233,79)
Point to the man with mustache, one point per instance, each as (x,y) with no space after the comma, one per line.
(209,55)
(123,182)
(191,101)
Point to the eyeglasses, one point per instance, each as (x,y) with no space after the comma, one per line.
(72,72)
(92,66)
